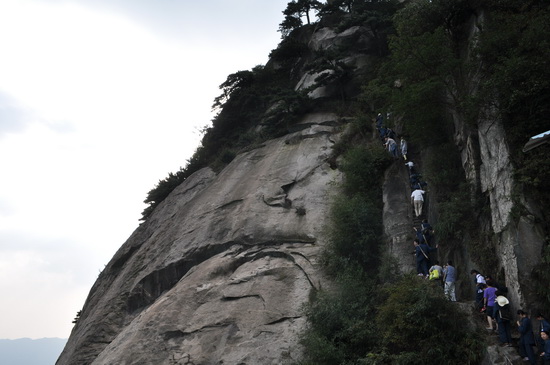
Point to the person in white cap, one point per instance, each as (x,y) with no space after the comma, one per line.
(503,316)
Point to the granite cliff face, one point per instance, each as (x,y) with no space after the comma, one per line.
(219,272)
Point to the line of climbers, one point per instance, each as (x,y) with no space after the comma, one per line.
(490,297)
(424,241)
(388,137)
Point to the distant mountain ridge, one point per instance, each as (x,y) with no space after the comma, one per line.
(25,351)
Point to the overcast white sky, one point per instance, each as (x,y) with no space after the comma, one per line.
(99,100)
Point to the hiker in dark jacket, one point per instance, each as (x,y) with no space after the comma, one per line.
(427,232)
(379,120)
(545,354)
(422,254)
(544,325)
(502,309)
(382,132)
(419,235)
(526,338)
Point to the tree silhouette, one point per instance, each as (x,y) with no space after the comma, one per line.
(296,9)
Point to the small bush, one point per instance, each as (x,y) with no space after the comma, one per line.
(355,235)
(416,324)
(341,326)
(363,167)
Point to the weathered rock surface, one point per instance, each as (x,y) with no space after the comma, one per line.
(486,161)
(220,270)
(398,216)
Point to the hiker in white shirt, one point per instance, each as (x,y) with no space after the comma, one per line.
(417,200)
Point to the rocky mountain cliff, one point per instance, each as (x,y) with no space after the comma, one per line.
(219,272)
(221,269)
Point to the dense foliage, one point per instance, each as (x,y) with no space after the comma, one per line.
(516,47)
(416,324)
(373,316)
(357,222)
(424,72)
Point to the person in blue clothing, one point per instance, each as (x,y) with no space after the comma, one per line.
(422,254)
(545,354)
(382,132)
(526,338)
(419,236)
(449,273)
(391,145)
(544,325)
(427,231)
(379,120)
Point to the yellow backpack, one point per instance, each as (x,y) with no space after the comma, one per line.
(434,274)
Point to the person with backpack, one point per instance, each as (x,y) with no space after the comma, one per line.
(526,337)
(422,252)
(503,315)
(427,231)
(436,274)
(419,236)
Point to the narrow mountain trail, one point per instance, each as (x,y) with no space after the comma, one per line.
(495,353)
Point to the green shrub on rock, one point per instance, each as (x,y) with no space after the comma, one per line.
(416,324)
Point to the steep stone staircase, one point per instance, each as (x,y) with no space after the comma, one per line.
(399,220)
